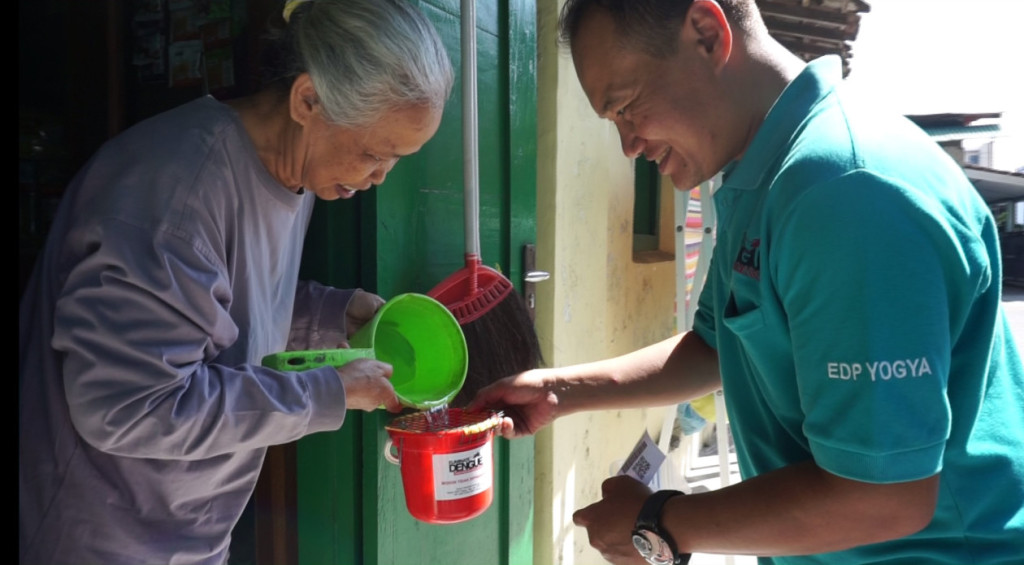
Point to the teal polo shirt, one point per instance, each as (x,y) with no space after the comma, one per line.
(854,301)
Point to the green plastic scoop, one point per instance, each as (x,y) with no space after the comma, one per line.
(417,335)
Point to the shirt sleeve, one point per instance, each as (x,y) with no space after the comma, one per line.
(318,321)
(140,321)
(875,286)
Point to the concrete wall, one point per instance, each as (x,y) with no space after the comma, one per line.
(599,301)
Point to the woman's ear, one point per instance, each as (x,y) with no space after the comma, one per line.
(303,100)
(708,29)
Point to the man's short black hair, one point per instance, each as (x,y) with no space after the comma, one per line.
(650,25)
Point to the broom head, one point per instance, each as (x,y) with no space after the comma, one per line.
(472,291)
(499,332)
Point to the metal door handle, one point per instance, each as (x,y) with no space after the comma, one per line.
(536,276)
(531,278)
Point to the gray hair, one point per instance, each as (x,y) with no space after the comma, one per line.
(649,25)
(365,57)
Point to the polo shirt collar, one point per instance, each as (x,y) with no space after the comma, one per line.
(818,79)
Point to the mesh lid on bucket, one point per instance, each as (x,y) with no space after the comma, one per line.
(458,421)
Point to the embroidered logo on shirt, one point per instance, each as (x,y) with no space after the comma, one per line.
(748,260)
(879,370)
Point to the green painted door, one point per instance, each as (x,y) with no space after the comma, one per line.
(406,236)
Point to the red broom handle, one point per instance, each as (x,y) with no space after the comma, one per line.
(472,263)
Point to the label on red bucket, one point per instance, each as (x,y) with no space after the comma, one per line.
(462,474)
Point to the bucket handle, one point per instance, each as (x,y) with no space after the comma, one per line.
(388,445)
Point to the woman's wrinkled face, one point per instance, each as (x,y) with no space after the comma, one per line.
(339,161)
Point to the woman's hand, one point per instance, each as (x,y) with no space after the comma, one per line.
(361,309)
(527,401)
(368,385)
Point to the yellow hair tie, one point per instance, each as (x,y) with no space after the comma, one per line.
(290,6)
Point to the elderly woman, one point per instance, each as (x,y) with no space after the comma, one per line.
(171,270)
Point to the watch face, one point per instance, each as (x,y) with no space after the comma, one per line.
(653,548)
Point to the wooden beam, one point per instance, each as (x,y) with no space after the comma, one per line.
(818,49)
(813,32)
(801,13)
(276,508)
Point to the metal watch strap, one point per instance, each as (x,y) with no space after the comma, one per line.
(649,518)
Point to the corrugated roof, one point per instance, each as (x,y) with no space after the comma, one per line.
(954,127)
(952,119)
(953,133)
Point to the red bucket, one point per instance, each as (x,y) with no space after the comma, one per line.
(447,468)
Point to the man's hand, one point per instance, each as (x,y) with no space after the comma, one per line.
(609,522)
(367,385)
(526,400)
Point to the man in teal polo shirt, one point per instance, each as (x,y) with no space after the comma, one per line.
(851,314)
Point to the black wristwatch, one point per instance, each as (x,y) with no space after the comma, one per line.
(655,544)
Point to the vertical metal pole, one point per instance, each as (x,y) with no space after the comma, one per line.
(682,210)
(470,160)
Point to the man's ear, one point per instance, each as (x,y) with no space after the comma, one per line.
(302,99)
(707,28)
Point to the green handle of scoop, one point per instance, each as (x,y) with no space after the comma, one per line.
(311,359)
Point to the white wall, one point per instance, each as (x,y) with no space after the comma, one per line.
(598,302)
